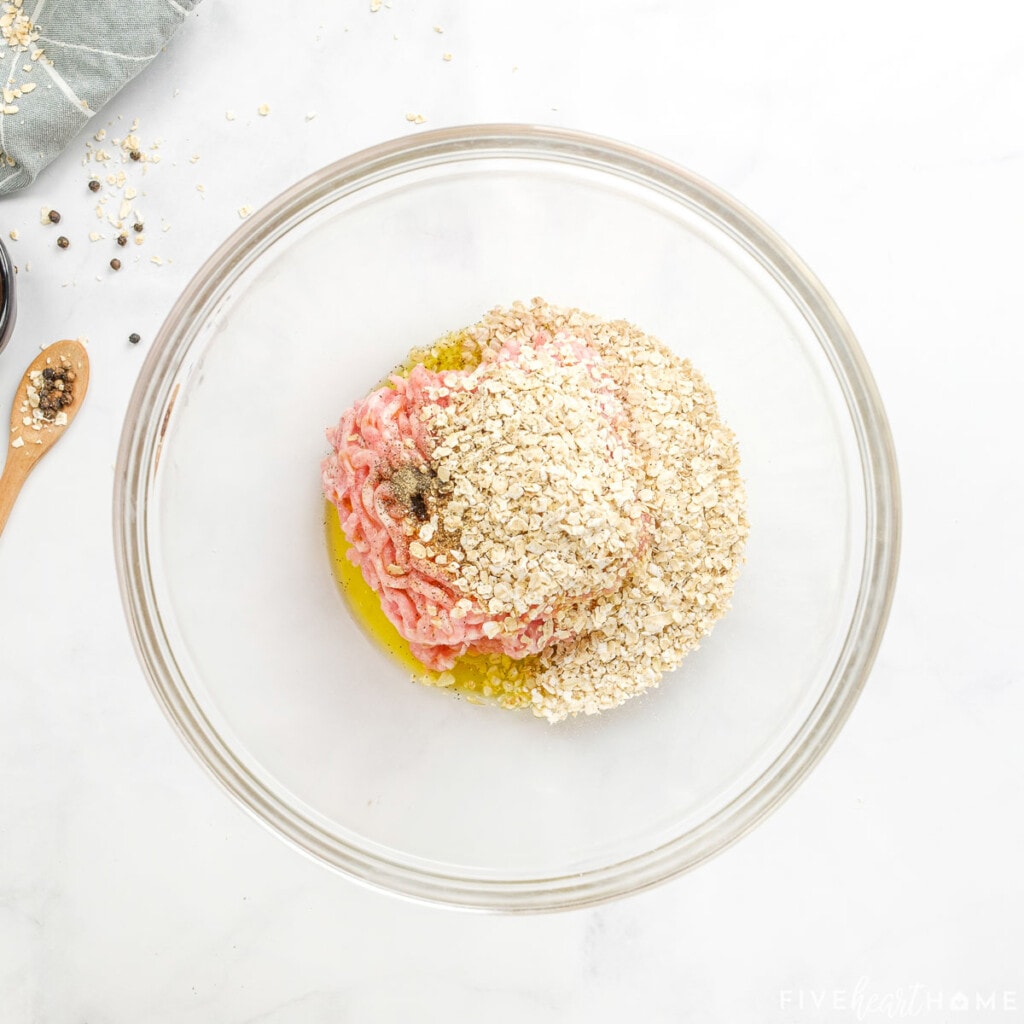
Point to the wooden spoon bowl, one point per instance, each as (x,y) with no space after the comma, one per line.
(41,413)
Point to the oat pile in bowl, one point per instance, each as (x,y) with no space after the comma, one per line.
(546,504)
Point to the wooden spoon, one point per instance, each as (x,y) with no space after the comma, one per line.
(26,445)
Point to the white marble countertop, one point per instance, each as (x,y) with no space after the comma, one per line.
(885,144)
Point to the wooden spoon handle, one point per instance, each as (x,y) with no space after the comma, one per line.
(15,472)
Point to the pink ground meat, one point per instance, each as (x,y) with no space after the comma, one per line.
(380,450)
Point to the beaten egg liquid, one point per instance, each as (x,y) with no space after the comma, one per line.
(480,677)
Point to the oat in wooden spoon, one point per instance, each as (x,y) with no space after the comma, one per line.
(49,395)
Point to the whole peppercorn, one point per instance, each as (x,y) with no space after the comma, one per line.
(55,390)
(137,226)
(122,240)
(54,217)
(134,338)
(63,241)
(94,185)
(115,264)
(135,154)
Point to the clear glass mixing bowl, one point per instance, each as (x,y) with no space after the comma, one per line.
(219,522)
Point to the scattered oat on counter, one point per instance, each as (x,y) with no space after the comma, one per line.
(446,57)
(13,234)
(263,109)
(229,115)
(415,118)
(116,159)
(114,182)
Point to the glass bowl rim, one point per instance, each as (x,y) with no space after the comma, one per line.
(152,401)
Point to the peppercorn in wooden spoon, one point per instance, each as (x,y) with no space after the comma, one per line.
(49,395)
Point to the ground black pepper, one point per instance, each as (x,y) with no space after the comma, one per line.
(418,505)
(411,487)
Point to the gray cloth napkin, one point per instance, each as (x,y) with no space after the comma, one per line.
(60,61)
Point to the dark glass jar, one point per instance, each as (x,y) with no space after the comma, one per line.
(8,306)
